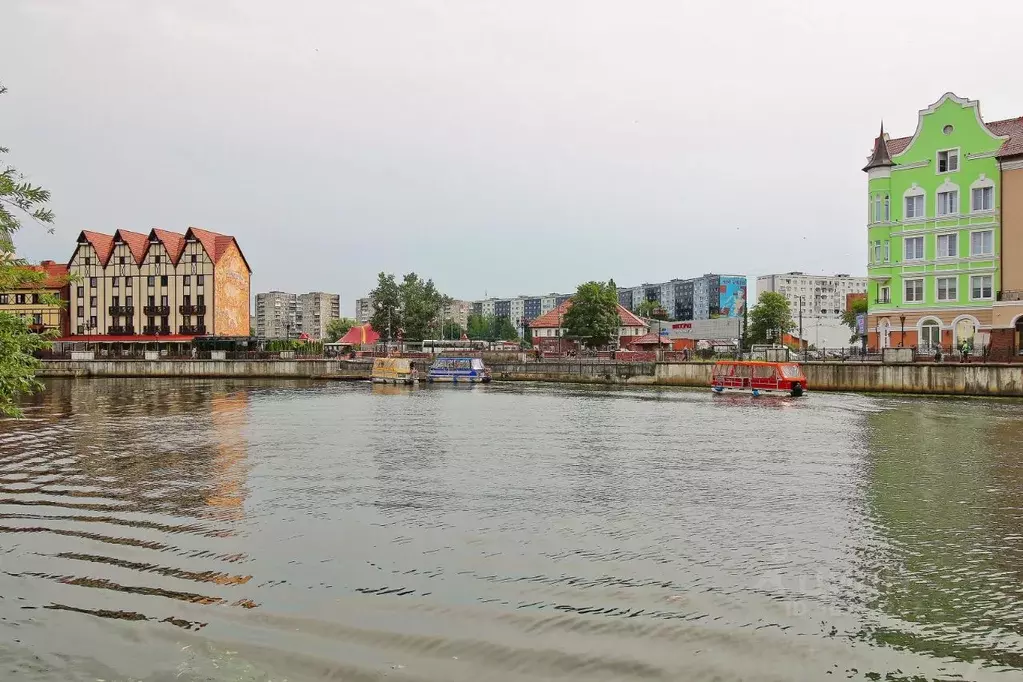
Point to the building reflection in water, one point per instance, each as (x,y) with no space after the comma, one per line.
(947,501)
(229,415)
(156,447)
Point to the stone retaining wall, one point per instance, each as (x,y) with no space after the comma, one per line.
(927,378)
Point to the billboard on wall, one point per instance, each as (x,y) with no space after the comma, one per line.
(733,296)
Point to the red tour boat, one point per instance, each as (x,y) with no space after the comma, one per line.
(758,377)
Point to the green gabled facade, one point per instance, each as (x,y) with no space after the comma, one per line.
(933,230)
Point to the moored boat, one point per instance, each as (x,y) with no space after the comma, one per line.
(394,371)
(458,370)
(758,378)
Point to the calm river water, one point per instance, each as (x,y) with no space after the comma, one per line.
(159,531)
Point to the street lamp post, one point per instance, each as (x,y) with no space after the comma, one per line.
(902,334)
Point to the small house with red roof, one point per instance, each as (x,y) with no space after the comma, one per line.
(549,332)
(157,286)
(41,301)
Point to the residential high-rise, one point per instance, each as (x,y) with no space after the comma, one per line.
(935,211)
(363,309)
(276,315)
(817,296)
(314,311)
(699,298)
(132,285)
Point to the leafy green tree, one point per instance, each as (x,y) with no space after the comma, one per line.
(504,330)
(647,308)
(593,317)
(451,330)
(386,319)
(478,327)
(491,328)
(527,334)
(421,307)
(18,343)
(770,318)
(858,307)
(338,328)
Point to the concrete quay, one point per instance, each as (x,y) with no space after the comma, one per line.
(971,379)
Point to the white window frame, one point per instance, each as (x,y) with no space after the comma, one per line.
(905,248)
(912,193)
(876,216)
(953,207)
(887,208)
(876,253)
(974,254)
(937,245)
(983,182)
(887,251)
(928,322)
(937,289)
(937,160)
(905,291)
(982,298)
(884,294)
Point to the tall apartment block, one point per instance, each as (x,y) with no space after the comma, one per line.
(276,315)
(282,315)
(823,297)
(700,298)
(158,286)
(314,311)
(363,309)
(945,231)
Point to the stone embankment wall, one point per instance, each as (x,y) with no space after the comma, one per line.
(927,378)
(283,369)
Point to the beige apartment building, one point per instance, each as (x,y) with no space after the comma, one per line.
(162,285)
(315,310)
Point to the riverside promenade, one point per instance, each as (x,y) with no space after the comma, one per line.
(956,379)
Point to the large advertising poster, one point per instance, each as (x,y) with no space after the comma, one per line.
(733,296)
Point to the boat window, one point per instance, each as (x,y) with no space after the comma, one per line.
(763,371)
(743,371)
(790,371)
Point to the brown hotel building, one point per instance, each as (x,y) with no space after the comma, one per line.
(160,286)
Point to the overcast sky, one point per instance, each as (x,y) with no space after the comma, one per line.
(498,147)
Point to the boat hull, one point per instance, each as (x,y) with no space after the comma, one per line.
(394,381)
(455,379)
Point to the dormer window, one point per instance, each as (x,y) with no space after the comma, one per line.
(948,161)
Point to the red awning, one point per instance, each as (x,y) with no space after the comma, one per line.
(169,338)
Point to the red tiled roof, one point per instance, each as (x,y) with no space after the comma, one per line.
(1013,127)
(553,318)
(137,242)
(173,242)
(103,243)
(216,244)
(56,275)
(649,340)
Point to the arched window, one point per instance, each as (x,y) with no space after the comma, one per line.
(982,194)
(930,334)
(915,203)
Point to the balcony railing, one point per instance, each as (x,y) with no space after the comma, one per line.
(156,310)
(120,330)
(192,310)
(1010,295)
(122,310)
(37,328)
(156,331)
(194,329)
